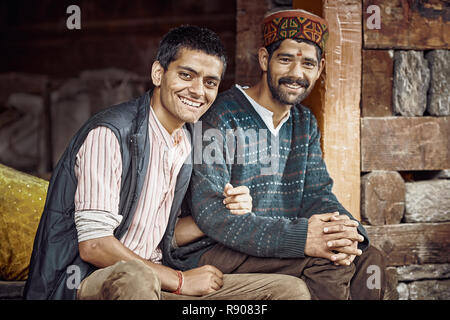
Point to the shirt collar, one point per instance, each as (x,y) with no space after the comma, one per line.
(170,140)
(264,113)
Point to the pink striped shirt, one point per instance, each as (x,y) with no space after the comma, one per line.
(98,169)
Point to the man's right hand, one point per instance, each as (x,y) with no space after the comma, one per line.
(317,239)
(201,281)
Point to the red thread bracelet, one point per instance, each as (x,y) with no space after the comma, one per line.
(180,282)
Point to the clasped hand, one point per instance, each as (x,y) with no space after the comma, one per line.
(334,237)
(330,235)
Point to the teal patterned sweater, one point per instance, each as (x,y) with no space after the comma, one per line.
(283,200)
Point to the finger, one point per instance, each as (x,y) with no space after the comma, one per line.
(352,258)
(238,198)
(351,223)
(239,212)
(238,190)
(346,219)
(339,243)
(339,256)
(351,235)
(343,262)
(350,250)
(245,198)
(216,271)
(239,206)
(227,187)
(340,217)
(218,282)
(327,216)
(340,227)
(347,261)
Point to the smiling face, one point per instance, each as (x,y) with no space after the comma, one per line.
(188,87)
(292,71)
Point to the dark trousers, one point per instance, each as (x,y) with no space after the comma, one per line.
(325,280)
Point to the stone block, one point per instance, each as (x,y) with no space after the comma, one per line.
(403,291)
(423,272)
(429,290)
(439,92)
(444,174)
(410,84)
(428,201)
(382,197)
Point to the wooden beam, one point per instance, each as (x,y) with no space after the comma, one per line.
(408,24)
(341,108)
(335,100)
(412,243)
(377,75)
(405,143)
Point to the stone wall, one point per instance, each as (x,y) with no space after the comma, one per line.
(405,145)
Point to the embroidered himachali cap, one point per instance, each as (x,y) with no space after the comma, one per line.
(295,24)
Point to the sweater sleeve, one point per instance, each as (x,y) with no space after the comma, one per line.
(249,233)
(318,196)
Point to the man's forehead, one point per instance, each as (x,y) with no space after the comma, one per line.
(297,48)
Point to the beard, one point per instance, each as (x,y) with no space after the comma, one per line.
(285,98)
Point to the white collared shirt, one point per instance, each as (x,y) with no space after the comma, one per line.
(265,114)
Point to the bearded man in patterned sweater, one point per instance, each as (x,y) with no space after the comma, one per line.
(296,226)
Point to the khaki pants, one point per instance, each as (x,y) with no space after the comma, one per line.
(134,280)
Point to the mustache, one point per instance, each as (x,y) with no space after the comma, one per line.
(301,82)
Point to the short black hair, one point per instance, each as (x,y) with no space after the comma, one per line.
(271,48)
(190,37)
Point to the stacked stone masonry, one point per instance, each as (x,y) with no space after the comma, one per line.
(405,144)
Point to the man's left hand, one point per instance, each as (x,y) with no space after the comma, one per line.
(237,199)
(346,249)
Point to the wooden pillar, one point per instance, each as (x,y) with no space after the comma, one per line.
(336,99)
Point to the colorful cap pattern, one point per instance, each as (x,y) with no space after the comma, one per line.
(295,24)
